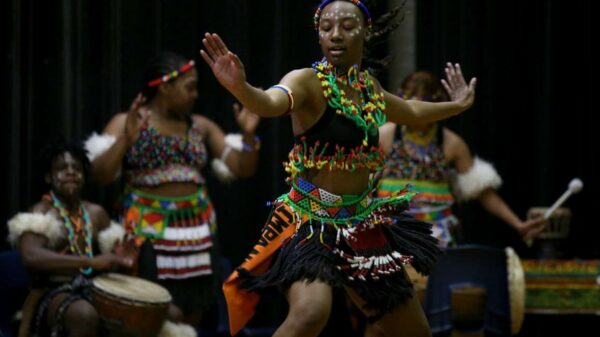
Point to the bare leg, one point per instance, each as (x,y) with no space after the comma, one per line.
(174,314)
(407,320)
(310,306)
(80,320)
(419,282)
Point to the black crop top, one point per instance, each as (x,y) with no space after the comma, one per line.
(335,129)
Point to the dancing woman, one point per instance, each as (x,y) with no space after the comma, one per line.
(330,230)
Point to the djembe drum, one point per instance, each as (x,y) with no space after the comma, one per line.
(130,306)
(516,289)
(469,302)
(550,242)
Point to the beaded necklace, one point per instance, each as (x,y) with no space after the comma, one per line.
(369,113)
(74,230)
(420,144)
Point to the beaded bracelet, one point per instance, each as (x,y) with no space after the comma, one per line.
(289,94)
(251,148)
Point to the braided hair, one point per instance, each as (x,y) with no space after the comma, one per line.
(162,64)
(384,23)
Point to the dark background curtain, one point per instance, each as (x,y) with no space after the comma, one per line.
(71,65)
(533,117)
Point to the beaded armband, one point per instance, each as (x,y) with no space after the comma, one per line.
(289,94)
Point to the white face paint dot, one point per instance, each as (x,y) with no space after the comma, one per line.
(341,14)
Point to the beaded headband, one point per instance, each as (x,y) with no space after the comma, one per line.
(166,78)
(358,4)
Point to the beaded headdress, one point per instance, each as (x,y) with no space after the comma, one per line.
(174,74)
(358,4)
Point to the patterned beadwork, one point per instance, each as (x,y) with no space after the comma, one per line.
(318,204)
(370,113)
(172,75)
(179,228)
(158,155)
(167,174)
(417,156)
(303,157)
(418,160)
(368,116)
(72,223)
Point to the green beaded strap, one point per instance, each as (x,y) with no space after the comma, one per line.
(361,213)
(369,114)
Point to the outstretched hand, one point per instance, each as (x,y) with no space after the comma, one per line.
(136,118)
(109,261)
(225,65)
(247,120)
(457,87)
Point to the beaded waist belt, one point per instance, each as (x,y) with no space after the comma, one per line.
(321,205)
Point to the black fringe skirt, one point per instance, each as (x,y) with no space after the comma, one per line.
(361,243)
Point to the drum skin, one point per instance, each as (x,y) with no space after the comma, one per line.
(130,314)
(516,289)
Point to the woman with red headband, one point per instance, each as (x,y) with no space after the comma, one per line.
(161,148)
(330,230)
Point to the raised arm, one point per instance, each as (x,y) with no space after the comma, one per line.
(241,163)
(125,128)
(229,71)
(462,96)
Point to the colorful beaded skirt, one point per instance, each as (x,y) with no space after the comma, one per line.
(179,228)
(360,242)
(432,203)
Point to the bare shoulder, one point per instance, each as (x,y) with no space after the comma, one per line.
(301,79)
(300,74)
(42,207)
(455,148)
(450,136)
(93,207)
(98,214)
(376,84)
(116,125)
(203,123)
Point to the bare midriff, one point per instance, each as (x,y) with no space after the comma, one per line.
(170,189)
(340,182)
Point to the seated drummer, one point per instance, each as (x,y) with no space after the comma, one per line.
(63,241)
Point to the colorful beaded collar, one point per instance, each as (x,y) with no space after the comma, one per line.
(76,224)
(369,114)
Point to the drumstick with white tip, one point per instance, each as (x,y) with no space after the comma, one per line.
(575,186)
